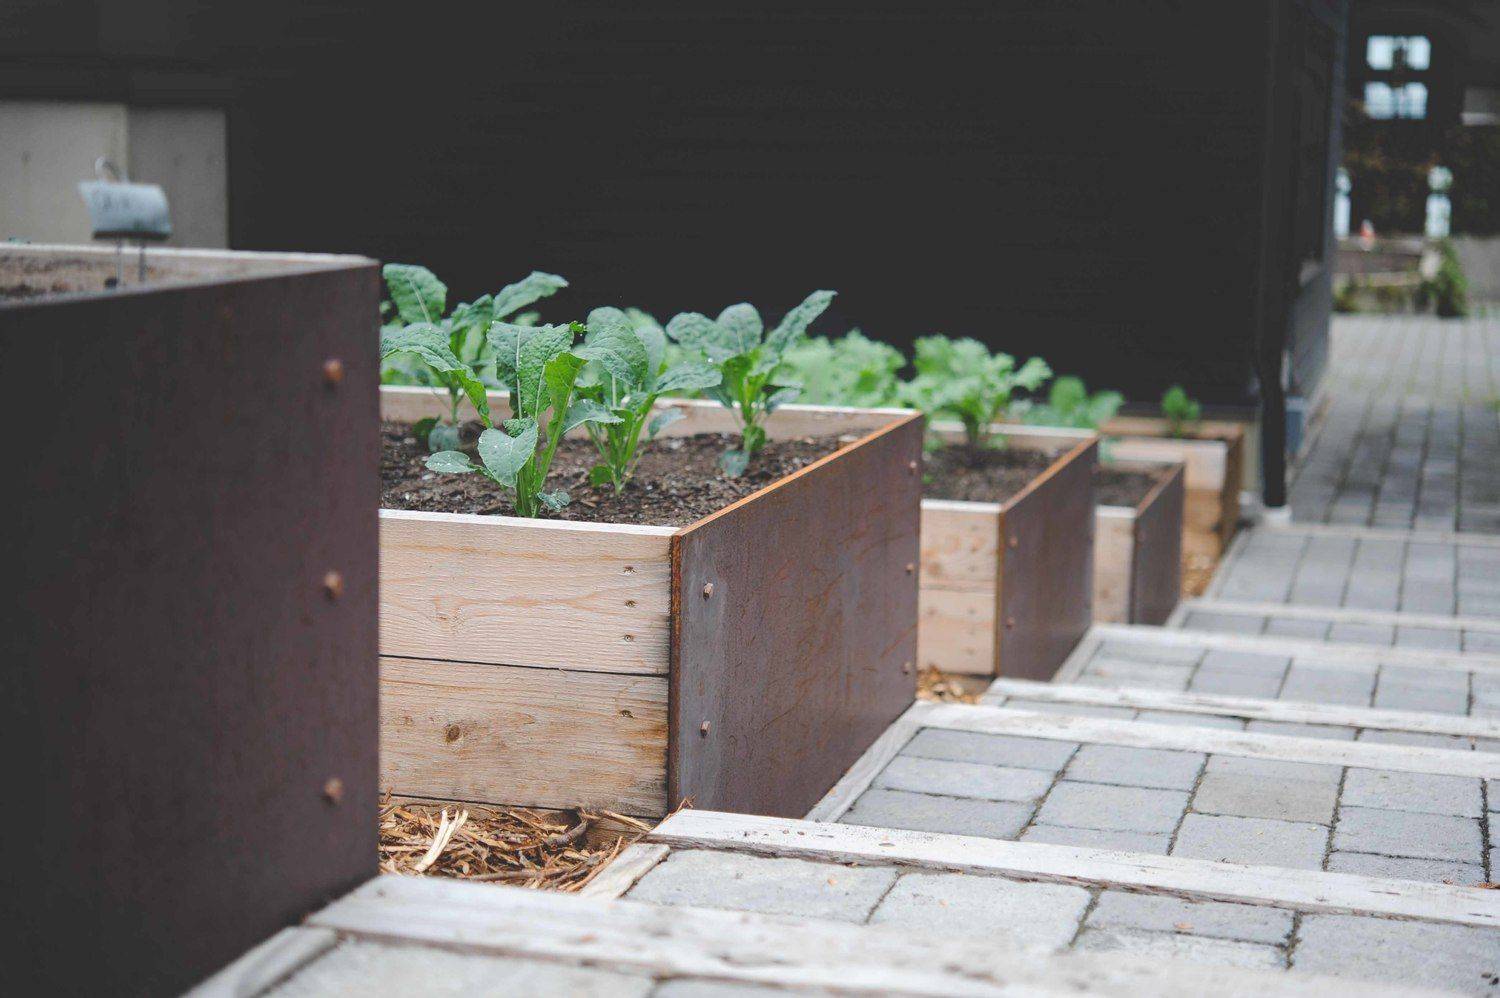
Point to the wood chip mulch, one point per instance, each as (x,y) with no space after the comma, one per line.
(934,684)
(558,851)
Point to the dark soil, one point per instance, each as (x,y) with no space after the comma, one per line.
(1113,487)
(677,481)
(981,475)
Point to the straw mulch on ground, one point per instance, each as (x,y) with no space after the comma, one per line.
(934,684)
(559,851)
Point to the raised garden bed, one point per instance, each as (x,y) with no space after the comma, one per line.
(1138,542)
(742,660)
(1007,584)
(1213,453)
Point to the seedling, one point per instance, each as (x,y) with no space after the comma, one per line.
(1070,404)
(621,386)
(1181,412)
(852,370)
(451,350)
(962,380)
(748,360)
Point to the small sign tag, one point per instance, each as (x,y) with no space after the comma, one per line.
(126,211)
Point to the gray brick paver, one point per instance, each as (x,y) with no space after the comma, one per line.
(1406,833)
(1028,914)
(770,885)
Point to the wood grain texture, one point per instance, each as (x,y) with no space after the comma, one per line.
(1044,602)
(804,652)
(1215,461)
(960,545)
(956,632)
(1156,570)
(1114,563)
(525,592)
(523,737)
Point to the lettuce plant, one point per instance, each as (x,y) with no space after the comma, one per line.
(450,350)
(620,388)
(852,370)
(1070,404)
(960,379)
(1179,410)
(748,359)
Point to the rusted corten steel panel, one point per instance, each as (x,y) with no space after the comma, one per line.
(189,693)
(1156,572)
(1045,599)
(804,649)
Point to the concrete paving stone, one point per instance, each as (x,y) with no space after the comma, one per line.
(1314,662)
(993,750)
(1223,623)
(1098,838)
(1222,682)
(1120,809)
(1482,641)
(1191,720)
(1075,709)
(1364,634)
(1250,796)
(1313,630)
(1492,795)
(1405,868)
(1135,767)
(1426,601)
(1180,947)
(989,819)
(1479,606)
(1406,833)
(1275,769)
(1428,637)
(1150,651)
(963,779)
(690,988)
(1460,958)
(1423,792)
(1328,731)
(1122,672)
(1455,743)
(1405,697)
(1029,914)
(1219,919)
(1449,680)
(1246,662)
(1327,686)
(1255,841)
(769,885)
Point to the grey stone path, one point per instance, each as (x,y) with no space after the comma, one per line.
(1411,435)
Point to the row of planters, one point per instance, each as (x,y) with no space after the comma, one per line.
(623,565)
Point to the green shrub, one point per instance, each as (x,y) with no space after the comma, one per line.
(960,379)
(851,370)
(1180,411)
(1069,404)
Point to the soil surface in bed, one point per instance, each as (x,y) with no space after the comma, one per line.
(677,481)
(1113,487)
(984,474)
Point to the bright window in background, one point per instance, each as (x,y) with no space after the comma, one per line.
(1383,101)
(1398,52)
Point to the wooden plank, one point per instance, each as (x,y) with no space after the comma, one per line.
(804,956)
(1252,708)
(1345,615)
(1114,562)
(625,871)
(1464,539)
(509,591)
(1206,461)
(804,650)
(1249,744)
(868,766)
(960,545)
(268,964)
(1044,599)
(523,737)
(956,631)
(1301,890)
(1326,652)
(1156,579)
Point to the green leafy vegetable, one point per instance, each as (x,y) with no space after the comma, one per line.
(1070,404)
(1180,411)
(448,352)
(960,379)
(748,360)
(852,370)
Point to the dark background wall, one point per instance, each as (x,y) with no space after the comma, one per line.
(1083,179)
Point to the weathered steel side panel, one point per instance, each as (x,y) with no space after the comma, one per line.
(1044,602)
(1156,575)
(189,694)
(804,649)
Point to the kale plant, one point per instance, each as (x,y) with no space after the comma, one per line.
(1179,410)
(962,380)
(542,365)
(628,373)
(449,351)
(852,370)
(1069,404)
(748,360)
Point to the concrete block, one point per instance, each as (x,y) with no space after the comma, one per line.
(1135,767)
(770,885)
(1256,841)
(1026,914)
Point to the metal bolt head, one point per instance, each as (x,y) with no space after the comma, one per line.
(906,668)
(333,790)
(333,371)
(703,729)
(912,466)
(1010,623)
(1015,542)
(333,584)
(708,589)
(910,568)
